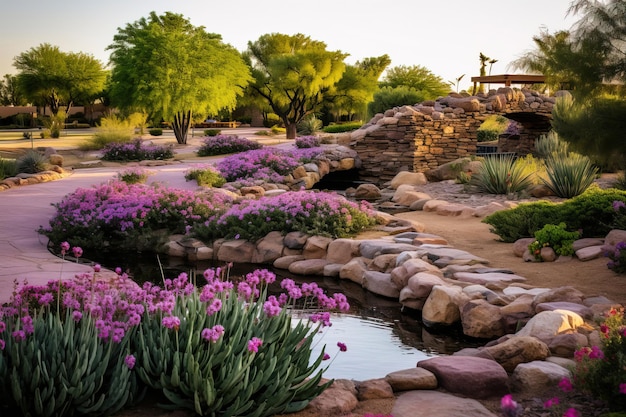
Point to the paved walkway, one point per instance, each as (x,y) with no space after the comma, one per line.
(23,252)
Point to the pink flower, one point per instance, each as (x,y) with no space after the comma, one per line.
(342,346)
(65,246)
(509,407)
(622,388)
(551,402)
(97,268)
(2,344)
(571,412)
(254,344)
(78,251)
(171,322)
(566,385)
(213,334)
(118,270)
(129,360)
(326,357)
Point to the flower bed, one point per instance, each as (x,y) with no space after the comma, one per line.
(224,144)
(136,151)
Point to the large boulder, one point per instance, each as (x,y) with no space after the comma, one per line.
(342,251)
(442,305)
(537,377)
(337,400)
(409,178)
(516,350)
(411,379)
(547,324)
(380,283)
(435,403)
(481,320)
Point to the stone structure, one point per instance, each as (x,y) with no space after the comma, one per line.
(424,136)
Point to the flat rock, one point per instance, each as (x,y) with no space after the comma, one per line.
(590,252)
(487,278)
(308,267)
(412,379)
(579,309)
(435,403)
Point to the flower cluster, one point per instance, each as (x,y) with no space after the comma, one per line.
(307,142)
(127,215)
(136,151)
(319,213)
(224,144)
(134,175)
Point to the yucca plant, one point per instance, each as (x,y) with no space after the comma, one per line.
(502,174)
(550,144)
(569,174)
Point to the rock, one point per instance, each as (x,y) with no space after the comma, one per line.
(469,376)
(315,247)
(236,251)
(406,197)
(481,320)
(308,267)
(341,251)
(516,350)
(567,293)
(254,190)
(581,310)
(547,324)
(354,270)
(338,399)
(590,252)
(201,254)
(435,403)
(431,205)
(547,254)
(372,248)
(422,283)
(521,245)
(411,379)
(374,389)
(295,240)
(537,377)
(488,278)
(332,270)
(56,159)
(380,283)
(614,237)
(268,249)
(174,249)
(566,344)
(383,263)
(410,178)
(428,239)
(284,261)
(367,192)
(442,306)
(454,210)
(586,242)
(484,211)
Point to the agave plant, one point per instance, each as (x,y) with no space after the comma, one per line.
(570,174)
(550,144)
(502,174)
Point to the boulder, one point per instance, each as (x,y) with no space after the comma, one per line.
(590,252)
(380,283)
(435,403)
(481,320)
(487,278)
(284,261)
(442,305)
(56,159)
(295,240)
(236,251)
(354,270)
(422,283)
(547,324)
(411,379)
(374,389)
(268,249)
(565,345)
(406,198)
(308,267)
(383,263)
(521,245)
(338,399)
(410,178)
(341,251)
(614,237)
(581,310)
(316,247)
(567,294)
(367,192)
(516,350)
(537,377)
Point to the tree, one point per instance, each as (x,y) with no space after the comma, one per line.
(292,74)
(165,66)
(389,97)
(418,78)
(10,94)
(50,77)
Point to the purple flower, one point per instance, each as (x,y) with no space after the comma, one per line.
(171,322)
(214,307)
(509,407)
(97,268)
(566,385)
(213,334)
(551,402)
(617,205)
(342,346)
(326,357)
(129,360)
(78,251)
(254,344)
(65,246)
(571,412)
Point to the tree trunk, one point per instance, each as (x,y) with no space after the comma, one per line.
(291,130)
(181,124)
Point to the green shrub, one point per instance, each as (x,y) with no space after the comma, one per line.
(134,175)
(550,144)
(569,175)
(212,132)
(484,135)
(8,168)
(155,131)
(112,129)
(277,130)
(555,237)
(523,220)
(502,174)
(205,176)
(32,162)
(309,126)
(342,127)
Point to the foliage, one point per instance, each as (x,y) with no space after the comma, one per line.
(601,370)
(8,168)
(10,92)
(292,74)
(112,129)
(212,132)
(155,131)
(550,144)
(277,130)
(315,213)
(502,174)
(265,164)
(417,78)
(209,75)
(569,175)
(224,144)
(591,213)
(134,175)
(121,216)
(55,123)
(342,127)
(556,237)
(307,142)
(310,125)
(32,162)
(390,97)
(485,135)
(209,354)
(49,77)
(205,175)
(136,151)
(491,128)
(617,258)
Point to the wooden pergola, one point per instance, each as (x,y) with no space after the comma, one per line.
(508,79)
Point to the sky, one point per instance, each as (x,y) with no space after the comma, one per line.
(446,37)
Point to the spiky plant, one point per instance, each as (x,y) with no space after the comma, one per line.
(570,174)
(502,174)
(31,163)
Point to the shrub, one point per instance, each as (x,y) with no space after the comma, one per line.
(502,174)
(277,130)
(212,132)
(266,164)
(112,129)
(342,127)
(118,216)
(155,131)
(309,125)
(224,144)
(484,135)
(555,237)
(134,175)
(569,175)
(523,220)
(136,151)
(205,175)
(31,163)
(307,142)
(315,213)
(550,144)
(8,168)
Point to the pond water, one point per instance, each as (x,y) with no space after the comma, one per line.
(380,337)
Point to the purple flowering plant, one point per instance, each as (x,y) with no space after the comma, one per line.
(225,144)
(136,150)
(307,142)
(317,213)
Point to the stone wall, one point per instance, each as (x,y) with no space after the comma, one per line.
(424,136)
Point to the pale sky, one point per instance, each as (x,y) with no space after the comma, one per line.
(444,36)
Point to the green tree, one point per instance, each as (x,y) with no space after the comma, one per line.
(389,97)
(174,71)
(418,78)
(49,77)
(356,87)
(292,74)
(10,94)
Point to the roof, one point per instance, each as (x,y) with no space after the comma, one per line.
(508,79)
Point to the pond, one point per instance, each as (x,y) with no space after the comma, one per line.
(380,337)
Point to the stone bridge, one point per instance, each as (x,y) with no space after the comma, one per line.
(422,137)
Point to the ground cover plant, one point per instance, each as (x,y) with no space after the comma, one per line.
(554,236)
(134,175)
(224,144)
(206,175)
(315,213)
(307,142)
(91,347)
(136,151)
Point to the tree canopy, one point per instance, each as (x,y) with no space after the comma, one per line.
(174,71)
(292,74)
(418,78)
(49,77)
(10,94)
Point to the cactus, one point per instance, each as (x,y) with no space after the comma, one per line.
(224,378)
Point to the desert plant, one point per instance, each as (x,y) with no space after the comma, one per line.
(54,124)
(550,144)
(32,162)
(8,168)
(309,125)
(307,142)
(485,135)
(205,175)
(136,151)
(342,127)
(212,132)
(502,174)
(225,144)
(277,130)
(134,175)
(112,129)
(523,220)
(556,237)
(155,131)
(569,175)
